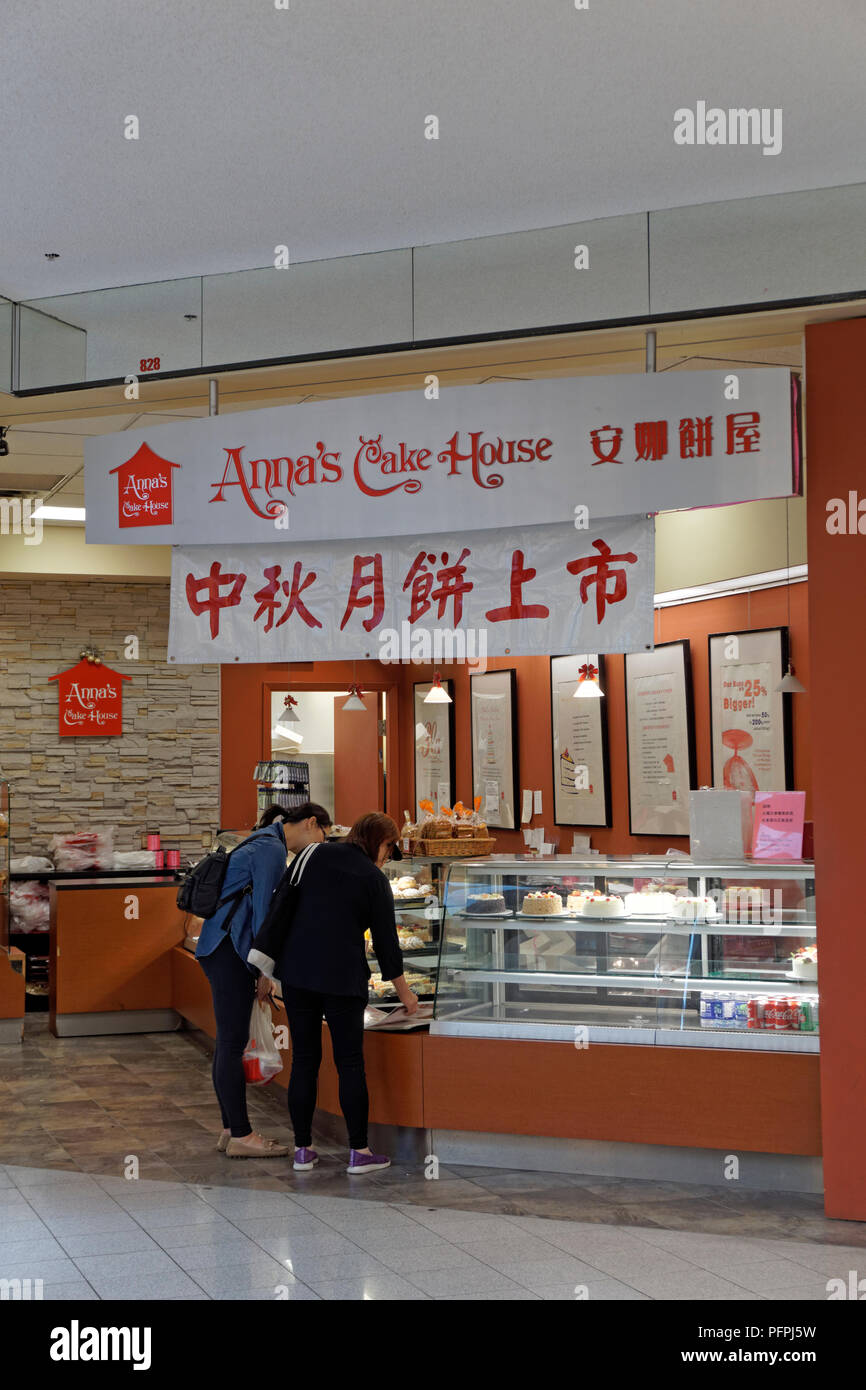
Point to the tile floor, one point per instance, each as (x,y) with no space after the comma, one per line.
(195,1225)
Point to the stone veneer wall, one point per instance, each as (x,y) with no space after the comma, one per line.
(163,774)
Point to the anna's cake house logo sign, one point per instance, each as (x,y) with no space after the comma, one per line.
(90,700)
(144,489)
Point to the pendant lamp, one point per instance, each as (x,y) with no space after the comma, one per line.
(588,687)
(437,694)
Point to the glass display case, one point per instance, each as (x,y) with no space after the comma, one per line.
(417,885)
(662,950)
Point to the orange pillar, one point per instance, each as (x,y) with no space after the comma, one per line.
(836,434)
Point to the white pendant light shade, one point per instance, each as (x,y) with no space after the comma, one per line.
(354,701)
(288,715)
(789,685)
(588,687)
(437,694)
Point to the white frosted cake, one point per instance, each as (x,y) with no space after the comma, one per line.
(645,904)
(574,902)
(602,905)
(695,909)
(542,904)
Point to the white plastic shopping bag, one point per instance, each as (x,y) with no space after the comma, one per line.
(262,1061)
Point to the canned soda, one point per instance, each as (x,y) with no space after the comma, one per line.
(754,1012)
(807,1023)
(788,1017)
(770,1009)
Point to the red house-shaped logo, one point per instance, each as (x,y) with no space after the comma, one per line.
(144,489)
(90,700)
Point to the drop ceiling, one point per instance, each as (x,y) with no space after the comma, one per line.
(304,126)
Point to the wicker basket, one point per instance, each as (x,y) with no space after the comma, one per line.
(455,848)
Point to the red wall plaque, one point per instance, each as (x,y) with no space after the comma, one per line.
(90,700)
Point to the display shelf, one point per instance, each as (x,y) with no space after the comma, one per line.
(633,981)
(49,875)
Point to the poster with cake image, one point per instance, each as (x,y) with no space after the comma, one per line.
(750,735)
(434,748)
(581,781)
(494,746)
(661,740)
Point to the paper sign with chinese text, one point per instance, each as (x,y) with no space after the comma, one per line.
(535,589)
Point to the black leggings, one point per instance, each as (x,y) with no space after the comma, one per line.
(345,1017)
(233,987)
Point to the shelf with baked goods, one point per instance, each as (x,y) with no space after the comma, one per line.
(595,938)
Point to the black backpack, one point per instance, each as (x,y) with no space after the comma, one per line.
(200,892)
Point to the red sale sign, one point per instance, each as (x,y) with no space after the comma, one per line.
(144,489)
(90,701)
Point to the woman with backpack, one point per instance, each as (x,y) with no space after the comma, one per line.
(323,970)
(254,869)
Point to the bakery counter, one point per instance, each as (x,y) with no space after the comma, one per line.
(110,943)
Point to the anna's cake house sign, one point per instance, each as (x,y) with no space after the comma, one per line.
(90,700)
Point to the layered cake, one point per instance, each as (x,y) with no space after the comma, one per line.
(694,909)
(541,904)
(805,963)
(486,904)
(602,905)
(574,902)
(649,904)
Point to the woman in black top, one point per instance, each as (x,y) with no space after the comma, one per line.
(324,973)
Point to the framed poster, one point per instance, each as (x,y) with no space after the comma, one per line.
(660,738)
(434,748)
(581,768)
(494,746)
(750,723)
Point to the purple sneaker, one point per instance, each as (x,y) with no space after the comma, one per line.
(305,1159)
(366,1163)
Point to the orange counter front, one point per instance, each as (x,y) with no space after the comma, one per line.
(110,956)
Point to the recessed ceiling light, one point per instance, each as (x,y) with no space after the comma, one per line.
(52,255)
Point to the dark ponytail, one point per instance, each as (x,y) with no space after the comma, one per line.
(293,814)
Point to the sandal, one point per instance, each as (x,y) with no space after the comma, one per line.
(242,1148)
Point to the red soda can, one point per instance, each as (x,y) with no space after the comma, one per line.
(754,1011)
(784,1014)
(770,1010)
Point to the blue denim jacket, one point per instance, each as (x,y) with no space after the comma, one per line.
(260,859)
